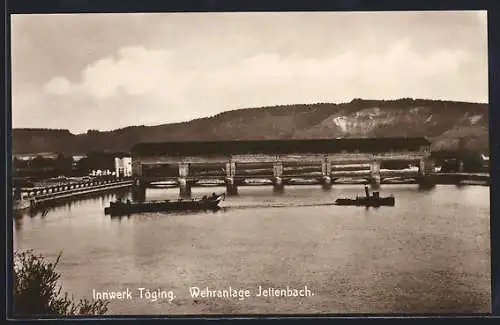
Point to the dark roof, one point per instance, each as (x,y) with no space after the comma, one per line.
(276,146)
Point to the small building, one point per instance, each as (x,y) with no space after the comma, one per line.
(123,167)
(76,159)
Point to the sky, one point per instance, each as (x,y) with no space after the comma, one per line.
(109,71)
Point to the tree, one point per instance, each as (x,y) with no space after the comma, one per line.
(100,160)
(39,162)
(63,165)
(36,290)
(93,132)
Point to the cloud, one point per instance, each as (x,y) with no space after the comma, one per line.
(138,71)
(114,72)
(58,86)
(135,71)
(152,86)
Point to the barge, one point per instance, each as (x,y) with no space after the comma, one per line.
(126,208)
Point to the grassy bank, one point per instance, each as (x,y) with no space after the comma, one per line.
(37,291)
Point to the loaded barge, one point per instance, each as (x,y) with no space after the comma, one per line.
(126,208)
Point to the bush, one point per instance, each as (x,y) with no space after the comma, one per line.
(36,290)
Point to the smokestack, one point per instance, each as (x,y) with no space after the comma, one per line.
(366,191)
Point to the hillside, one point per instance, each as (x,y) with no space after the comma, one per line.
(443,122)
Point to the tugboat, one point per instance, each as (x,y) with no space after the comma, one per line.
(126,208)
(373,200)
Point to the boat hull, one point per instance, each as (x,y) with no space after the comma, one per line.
(118,208)
(388,201)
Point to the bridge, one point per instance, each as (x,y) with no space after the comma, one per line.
(39,195)
(277,160)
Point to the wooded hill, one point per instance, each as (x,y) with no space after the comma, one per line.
(444,123)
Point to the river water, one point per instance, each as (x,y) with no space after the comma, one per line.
(428,254)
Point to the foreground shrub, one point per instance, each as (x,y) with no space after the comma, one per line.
(36,290)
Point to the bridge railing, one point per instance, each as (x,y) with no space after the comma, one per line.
(70,187)
(464,174)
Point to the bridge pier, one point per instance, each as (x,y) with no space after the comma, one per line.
(375,174)
(231,186)
(426,182)
(278,184)
(139,191)
(425,178)
(184,185)
(326,170)
(326,182)
(184,188)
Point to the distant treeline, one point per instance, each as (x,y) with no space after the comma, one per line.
(359,103)
(407,101)
(43,130)
(41,167)
(443,122)
(450,160)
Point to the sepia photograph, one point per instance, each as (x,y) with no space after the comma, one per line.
(250,163)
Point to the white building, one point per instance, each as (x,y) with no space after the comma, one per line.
(78,158)
(123,167)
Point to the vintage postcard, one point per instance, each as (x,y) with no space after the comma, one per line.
(251,163)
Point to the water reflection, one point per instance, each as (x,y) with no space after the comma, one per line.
(18,221)
(82,201)
(138,194)
(261,195)
(120,218)
(426,187)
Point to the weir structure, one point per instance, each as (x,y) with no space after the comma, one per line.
(188,162)
(53,193)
